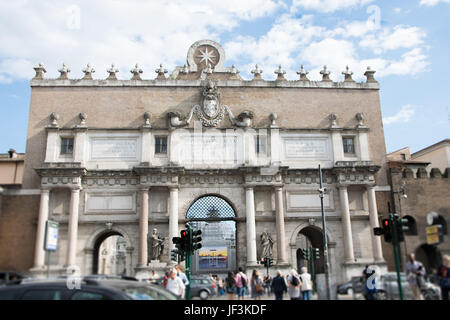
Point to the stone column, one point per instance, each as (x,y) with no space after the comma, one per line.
(250,225)
(281,243)
(373,216)
(39,252)
(143,229)
(72,233)
(173,216)
(346,225)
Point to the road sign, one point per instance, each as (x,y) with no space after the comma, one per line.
(51,236)
(434,234)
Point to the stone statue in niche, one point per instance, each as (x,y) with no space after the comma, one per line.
(156,244)
(266,244)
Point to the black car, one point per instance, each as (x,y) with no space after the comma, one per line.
(85,289)
(10,277)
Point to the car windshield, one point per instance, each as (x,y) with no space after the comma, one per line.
(147,293)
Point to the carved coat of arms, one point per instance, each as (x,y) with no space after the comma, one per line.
(211,111)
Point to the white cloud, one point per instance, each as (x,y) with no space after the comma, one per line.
(432,2)
(327,5)
(411,63)
(124,32)
(404,115)
(392,39)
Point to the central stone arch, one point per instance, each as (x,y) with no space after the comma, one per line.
(216,217)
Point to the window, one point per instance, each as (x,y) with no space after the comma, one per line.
(85,295)
(403,156)
(42,294)
(349,144)
(160,145)
(261,144)
(66,145)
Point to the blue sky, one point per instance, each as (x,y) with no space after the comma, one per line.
(406,42)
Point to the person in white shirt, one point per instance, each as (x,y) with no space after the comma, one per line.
(306,288)
(182,275)
(175,284)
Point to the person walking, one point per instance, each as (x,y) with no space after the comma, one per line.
(241,284)
(220,286)
(182,275)
(369,283)
(443,275)
(230,286)
(175,284)
(279,286)
(306,287)
(294,285)
(256,285)
(415,272)
(267,284)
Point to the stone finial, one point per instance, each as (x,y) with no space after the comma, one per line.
(348,75)
(185,69)
(325,74)
(302,72)
(257,73)
(83,117)
(234,70)
(208,69)
(147,117)
(63,72)
(369,75)
(54,117)
(88,71)
(280,73)
(112,72)
(161,71)
(333,119)
(273,117)
(40,70)
(136,71)
(360,119)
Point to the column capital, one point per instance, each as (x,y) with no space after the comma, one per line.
(174,187)
(249,187)
(370,186)
(278,187)
(75,189)
(342,186)
(45,189)
(144,189)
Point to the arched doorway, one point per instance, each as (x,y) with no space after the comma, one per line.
(110,254)
(430,256)
(310,236)
(216,218)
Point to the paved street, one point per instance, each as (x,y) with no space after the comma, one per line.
(286,297)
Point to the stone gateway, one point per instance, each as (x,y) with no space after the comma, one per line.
(235,157)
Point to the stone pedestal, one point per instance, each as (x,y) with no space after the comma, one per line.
(145,272)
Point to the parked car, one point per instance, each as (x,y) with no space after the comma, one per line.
(355,285)
(387,287)
(202,287)
(10,277)
(89,289)
(110,277)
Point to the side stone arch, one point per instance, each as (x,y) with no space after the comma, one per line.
(103,231)
(293,239)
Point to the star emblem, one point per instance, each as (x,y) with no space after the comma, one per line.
(206,56)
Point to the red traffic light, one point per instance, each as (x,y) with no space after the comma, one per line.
(386,222)
(183,233)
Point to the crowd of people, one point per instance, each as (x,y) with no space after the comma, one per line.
(297,287)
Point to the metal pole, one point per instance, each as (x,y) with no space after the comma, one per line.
(188,263)
(397,260)
(312,270)
(325,244)
(48,264)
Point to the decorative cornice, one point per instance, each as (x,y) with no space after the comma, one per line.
(199,82)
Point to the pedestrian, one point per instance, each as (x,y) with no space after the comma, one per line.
(230,286)
(256,285)
(175,284)
(306,288)
(369,283)
(220,286)
(166,277)
(294,285)
(241,284)
(415,271)
(443,276)
(267,284)
(182,275)
(279,286)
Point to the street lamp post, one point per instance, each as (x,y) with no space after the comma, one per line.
(322,191)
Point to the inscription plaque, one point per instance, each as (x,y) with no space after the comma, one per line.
(102,148)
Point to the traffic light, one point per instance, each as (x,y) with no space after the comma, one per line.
(265,262)
(401,227)
(269,262)
(315,253)
(387,230)
(196,240)
(306,254)
(174,255)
